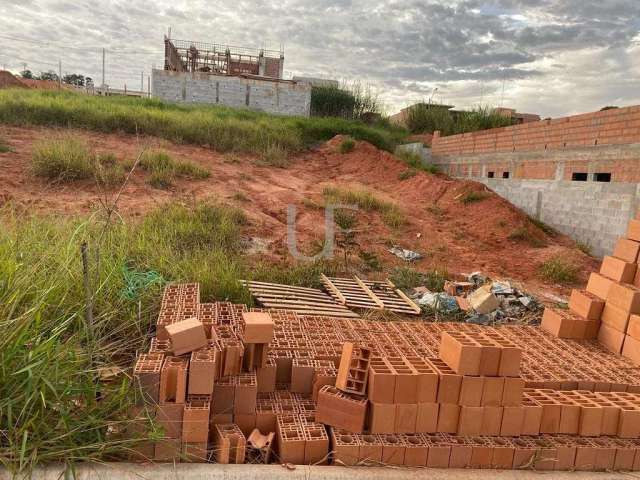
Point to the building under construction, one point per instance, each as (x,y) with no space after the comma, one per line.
(211,73)
(188,56)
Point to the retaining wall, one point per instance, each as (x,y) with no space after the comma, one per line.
(271,96)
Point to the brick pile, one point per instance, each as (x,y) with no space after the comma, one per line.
(609,308)
(417,393)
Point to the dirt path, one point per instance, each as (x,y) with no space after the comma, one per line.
(450,234)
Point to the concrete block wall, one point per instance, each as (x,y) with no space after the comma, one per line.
(595,214)
(278,97)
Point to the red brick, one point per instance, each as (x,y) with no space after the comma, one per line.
(586,304)
(611,339)
(615,317)
(618,270)
(627,250)
(599,285)
(625,296)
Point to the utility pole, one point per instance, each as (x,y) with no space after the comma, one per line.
(141,82)
(103,68)
(148,86)
(24,67)
(60,74)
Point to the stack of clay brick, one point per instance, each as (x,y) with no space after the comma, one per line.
(609,308)
(407,393)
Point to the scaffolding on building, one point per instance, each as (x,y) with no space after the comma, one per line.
(220,59)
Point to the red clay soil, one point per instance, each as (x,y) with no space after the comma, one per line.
(450,234)
(8,80)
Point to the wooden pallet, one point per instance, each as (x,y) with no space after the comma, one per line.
(357,293)
(302,300)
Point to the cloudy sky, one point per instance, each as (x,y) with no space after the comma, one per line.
(552,57)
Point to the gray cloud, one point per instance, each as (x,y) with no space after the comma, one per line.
(541,52)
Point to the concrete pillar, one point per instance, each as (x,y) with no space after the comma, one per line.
(262,64)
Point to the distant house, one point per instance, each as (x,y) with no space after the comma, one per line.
(400,118)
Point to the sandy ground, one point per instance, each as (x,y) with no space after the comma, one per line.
(451,235)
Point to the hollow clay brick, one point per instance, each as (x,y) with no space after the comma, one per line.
(302,371)
(370,451)
(427,417)
(173,380)
(246,422)
(146,374)
(471,391)
(448,418)
(512,392)
(229,444)
(258,327)
(353,370)
(633,230)
(266,377)
(195,452)
(202,372)
(224,397)
(381,417)
(558,322)
(481,452)
(406,384)
(631,349)
(393,450)
(611,338)
(512,421)
(186,336)
(316,446)
(489,356)
(439,451)
(599,285)
(345,447)
(503,453)
(382,381)
(470,422)
(492,391)
(427,389)
(167,450)
(627,250)
(337,409)
(416,451)
(406,418)
(624,296)
(618,270)
(586,304)
(449,382)
(491,421)
(169,417)
(460,454)
(524,453)
(245,393)
(460,353)
(195,420)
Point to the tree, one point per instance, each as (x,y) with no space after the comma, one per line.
(27,74)
(50,75)
(88,81)
(74,79)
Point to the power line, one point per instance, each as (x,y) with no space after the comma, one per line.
(84,48)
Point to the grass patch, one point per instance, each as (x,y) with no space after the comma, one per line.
(164,169)
(392,216)
(584,248)
(274,156)
(4,146)
(543,226)
(414,161)
(473,197)
(48,381)
(558,270)
(371,261)
(240,197)
(524,234)
(220,128)
(347,145)
(407,278)
(407,174)
(344,219)
(63,159)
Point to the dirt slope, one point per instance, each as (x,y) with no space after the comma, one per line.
(450,234)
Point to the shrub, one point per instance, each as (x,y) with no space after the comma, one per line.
(559,270)
(344,219)
(274,156)
(392,216)
(108,173)
(414,161)
(523,234)
(164,169)
(407,278)
(63,159)
(349,101)
(4,146)
(473,196)
(347,145)
(425,117)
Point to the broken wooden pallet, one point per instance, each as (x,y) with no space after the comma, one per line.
(357,293)
(302,300)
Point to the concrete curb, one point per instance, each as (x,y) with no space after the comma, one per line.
(165,471)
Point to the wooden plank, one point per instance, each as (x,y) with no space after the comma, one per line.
(369,292)
(411,303)
(327,300)
(280,286)
(333,290)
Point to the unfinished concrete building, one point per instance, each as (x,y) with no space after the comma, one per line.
(579,174)
(211,73)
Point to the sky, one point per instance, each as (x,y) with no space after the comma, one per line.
(551,57)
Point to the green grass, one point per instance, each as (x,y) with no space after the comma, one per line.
(407,278)
(424,117)
(164,169)
(4,146)
(274,156)
(559,270)
(524,234)
(344,219)
(414,162)
(407,174)
(347,145)
(220,128)
(391,214)
(63,159)
(473,197)
(584,248)
(543,226)
(48,355)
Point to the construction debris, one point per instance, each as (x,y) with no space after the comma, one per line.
(368,294)
(406,255)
